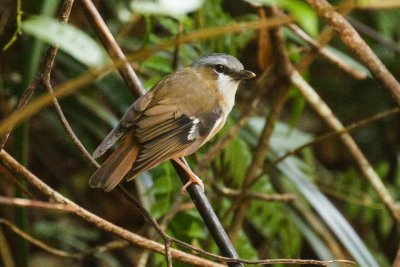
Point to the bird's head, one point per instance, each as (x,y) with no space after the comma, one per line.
(224,67)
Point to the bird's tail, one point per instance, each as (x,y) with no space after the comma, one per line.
(116,166)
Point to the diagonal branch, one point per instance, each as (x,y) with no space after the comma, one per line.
(38,243)
(354,41)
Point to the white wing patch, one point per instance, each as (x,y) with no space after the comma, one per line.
(194,130)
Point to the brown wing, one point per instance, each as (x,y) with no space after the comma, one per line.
(125,124)
(176,122)
(170,138)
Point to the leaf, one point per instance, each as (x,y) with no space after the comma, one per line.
(302,12)
(299,104)
(237,156)
(69,39)
(174,8)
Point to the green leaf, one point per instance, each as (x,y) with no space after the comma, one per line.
(302,13)
(237,156)
(69,39)
(174,8)
(299,104)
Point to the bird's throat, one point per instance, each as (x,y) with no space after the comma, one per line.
(227,87)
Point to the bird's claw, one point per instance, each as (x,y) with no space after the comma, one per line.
(193,179)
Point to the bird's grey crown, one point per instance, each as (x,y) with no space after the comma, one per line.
(219,59)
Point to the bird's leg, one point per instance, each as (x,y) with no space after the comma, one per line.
(193,178)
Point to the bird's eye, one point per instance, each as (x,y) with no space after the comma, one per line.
(220,68)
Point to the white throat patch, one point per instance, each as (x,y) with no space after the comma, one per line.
(227,86)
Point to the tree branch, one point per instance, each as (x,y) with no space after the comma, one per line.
(354,41)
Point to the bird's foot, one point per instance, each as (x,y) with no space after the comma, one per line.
(193,179)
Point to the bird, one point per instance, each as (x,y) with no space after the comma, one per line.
(178,115)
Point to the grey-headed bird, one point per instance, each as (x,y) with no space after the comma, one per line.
(177,116)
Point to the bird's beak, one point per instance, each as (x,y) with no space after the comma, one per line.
(244,75)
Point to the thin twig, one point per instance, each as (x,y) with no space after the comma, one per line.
(175,208)
(347,129)
(107,39)
(18,30)
(175,56)
(21,104)
(5,251)
(269,261)
(372,33)
(325,37)
(27,203)
(4,173)
(67,126)
(230,192)
(113,245)
(311,219)
(37,242)
(358,74)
